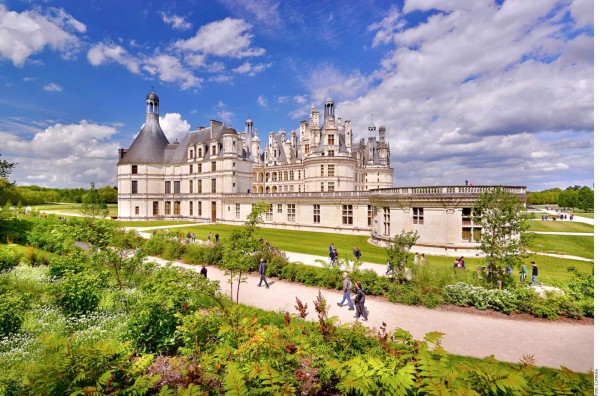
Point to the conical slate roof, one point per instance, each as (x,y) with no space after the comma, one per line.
(149,145)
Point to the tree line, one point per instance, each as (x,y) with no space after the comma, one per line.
(35,195)
(570,198)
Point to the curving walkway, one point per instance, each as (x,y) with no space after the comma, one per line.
(552,344)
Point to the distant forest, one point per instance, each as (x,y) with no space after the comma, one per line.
(34,195)
(571,197)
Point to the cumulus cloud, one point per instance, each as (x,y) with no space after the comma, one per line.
(479,91)
(262,101)
(29,32)
(175,21)
(52,87)
(228,38)
(168,68)
(250,69)
(300,99)
(174,126)
(265,11)
(68,155)
(103,53)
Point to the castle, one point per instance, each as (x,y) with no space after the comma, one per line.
(317,179)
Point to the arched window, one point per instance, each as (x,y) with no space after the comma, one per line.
(285,176)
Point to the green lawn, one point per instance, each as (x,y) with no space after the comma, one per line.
(559,226)
(588,215)
(74,208)
(553,270)
(582,246)
(152,223)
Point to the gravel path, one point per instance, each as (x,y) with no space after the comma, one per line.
(552,344)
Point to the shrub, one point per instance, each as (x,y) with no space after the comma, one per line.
(74,262)
(79,292)
(12,310)
(479,297)
(9,257)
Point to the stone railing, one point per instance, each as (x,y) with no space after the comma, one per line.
(427,190)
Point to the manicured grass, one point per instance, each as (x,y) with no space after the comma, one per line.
(582,246)
(559,226)
(74,208)
(554,270)
(588,215)
(152,223)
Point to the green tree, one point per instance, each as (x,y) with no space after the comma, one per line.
(108,194)
(502,219)
(586,199)
(398,253)
(6,168)
(239,254)
(568,198)
(92,204)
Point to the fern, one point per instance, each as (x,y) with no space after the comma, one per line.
(234,382)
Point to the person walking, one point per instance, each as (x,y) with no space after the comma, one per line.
(262,270)
(217,238)
(422,259)
(331,257)
(534,274)
(204,271)
(523,272)
(359,301)
(389,269)
(347,288)
(416,260)
(208,237)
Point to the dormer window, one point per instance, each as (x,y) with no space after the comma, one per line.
(134,169)
(191,155)
(330,140)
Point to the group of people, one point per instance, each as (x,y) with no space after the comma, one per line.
(459,263)
(561,216)
(191,237)
(333,254)
(359,298)
(216,237)
(534,274)
(419,259)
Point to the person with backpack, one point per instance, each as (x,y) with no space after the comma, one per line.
(359,301)
(347,288)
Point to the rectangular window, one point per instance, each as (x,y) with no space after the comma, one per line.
(291,175)
(213,185)
(167,207)
(386,221)
(330,140)
(279,208)
(306,148)
(177,187)
(137,210)
(213,166)
(134,189)
(177,208)
(199,208)
(417,215)
(191,186)
(191,155)
(213,150)
(466,234)
(191,208)
(199,186)
(322,170)
(134,169)
(330,170)
(291,212)
(155,208)
(237,210)
(330,186)
(316,213)
(199,168)
(199,153)
(269,213)
(466,216)
(167,187)
(322,186)
(369,215)
(347,214)
(330,153)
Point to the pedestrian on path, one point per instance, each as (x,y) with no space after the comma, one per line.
(534,274)
(217,238)
(208,237)
(193,237)
(204,271)
(389,268)
(359,300)
(262,270)
(416,260)
(347,288)
(523,272)
(422,259)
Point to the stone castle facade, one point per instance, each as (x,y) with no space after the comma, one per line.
(315,179)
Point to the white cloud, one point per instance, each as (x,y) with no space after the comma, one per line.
(103,53)
(175,21)
(264,11)
(300,99)
(227,38)
(29,32)
(226,116)
(52,87)
(262,101)
(174,126)
(282,99)
(456,109)
(169,69)
(251,70)
(68,155)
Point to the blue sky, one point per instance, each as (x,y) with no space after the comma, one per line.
(489,91)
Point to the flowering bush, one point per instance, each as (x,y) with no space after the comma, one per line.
(479,297)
